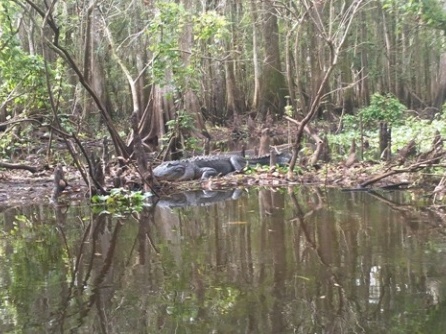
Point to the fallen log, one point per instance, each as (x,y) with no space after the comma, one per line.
(8,165)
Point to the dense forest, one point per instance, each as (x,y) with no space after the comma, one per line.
(83,68)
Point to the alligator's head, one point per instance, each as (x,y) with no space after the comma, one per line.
(173,171)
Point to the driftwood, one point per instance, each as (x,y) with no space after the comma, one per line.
(8,165)
(410,169)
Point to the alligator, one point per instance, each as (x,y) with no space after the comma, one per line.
(207,166)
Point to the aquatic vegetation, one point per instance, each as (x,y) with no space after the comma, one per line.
(120,201)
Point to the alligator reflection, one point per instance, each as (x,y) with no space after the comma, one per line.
(199,198)
(255,261)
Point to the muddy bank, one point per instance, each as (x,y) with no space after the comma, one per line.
(24,188)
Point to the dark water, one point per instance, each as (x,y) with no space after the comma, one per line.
(295,260)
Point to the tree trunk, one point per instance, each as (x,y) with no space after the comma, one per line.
(364,91)
(440,94)
(190,98)
(347,93)
(273,87)
(255,56)
(234,102)
(385,140)
(290,71)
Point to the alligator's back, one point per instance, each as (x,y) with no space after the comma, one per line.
(222,164)
(209,165)
(282,159)
(199,167)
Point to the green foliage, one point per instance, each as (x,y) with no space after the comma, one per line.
(192,143)
(22,75)
(23,78)
(431,12)
(168,29)
(210,25)
(289,111)
(120,201)
(183,122)
(351,122)
(8,145)
(165,31)
(422,130)
(221,299)
(383,108)
(281,169)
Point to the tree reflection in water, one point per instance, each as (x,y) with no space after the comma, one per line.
(264,261)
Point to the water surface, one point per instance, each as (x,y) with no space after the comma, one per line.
(292,260)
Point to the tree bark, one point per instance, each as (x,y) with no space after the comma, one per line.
(273,86)
(190,98)
(94,70)
(440,95)
(255,56)
(364,92)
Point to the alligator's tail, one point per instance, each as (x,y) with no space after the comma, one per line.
(281,159)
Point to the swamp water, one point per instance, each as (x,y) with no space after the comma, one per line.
(292,260)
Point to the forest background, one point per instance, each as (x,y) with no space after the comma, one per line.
(83,68)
